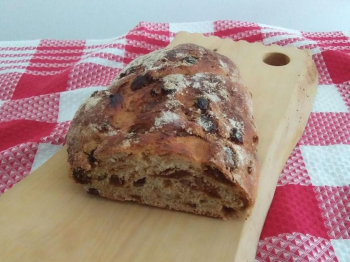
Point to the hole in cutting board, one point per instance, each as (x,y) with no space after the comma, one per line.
(276,59)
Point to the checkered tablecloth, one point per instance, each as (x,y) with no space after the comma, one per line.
(43,82)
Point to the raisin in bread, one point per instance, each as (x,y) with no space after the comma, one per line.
(174,130)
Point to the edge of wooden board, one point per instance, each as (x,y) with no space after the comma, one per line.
(206,41)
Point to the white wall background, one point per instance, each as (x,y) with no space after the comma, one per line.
(83,19)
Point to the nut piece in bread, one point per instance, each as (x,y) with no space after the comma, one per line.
(174,130)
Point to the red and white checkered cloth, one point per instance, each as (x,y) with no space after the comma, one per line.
(43,82)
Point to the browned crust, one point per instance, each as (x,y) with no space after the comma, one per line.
(123,119)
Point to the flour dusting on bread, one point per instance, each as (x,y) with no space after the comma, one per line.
(166,117)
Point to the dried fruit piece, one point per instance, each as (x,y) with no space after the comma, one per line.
(116,181)
(227,210)
(93,191)
(91,158)
(236,136)
(115,100)
(140,81)
(217,175)
(80,176)
(250,169)
(179,174)
(153,93)
(202,103)
(207,123)
(140,182)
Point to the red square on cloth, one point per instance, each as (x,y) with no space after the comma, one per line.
(49,68)
(145,38)
(20,131)
(294,209)
(250,32)
(338,65)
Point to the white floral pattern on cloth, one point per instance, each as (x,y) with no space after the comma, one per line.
(15,164)
(334,203)
(42,108)
(295,247)
(294,171)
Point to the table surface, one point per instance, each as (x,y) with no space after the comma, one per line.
(94,19)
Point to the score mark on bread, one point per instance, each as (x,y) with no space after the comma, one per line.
(174,130)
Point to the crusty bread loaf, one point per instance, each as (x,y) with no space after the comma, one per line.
(174,130)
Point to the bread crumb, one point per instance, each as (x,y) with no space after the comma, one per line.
(240,155)
(196,85)
(175,81)
(166,118)
(197,77)
(172,103)
(223,65)
(207,125)
(229,157)
(131,134)
(91,102)
(211,84)
(213,97)
(237,124)
(111,132)
(180,55)
(94,127)
(125,143)
(224,94)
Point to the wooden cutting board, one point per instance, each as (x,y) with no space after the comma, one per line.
(47,217)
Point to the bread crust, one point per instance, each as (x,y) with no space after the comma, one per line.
(185,107)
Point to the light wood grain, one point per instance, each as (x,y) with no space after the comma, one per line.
(47,217)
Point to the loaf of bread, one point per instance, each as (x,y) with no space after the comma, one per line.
(174,130)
